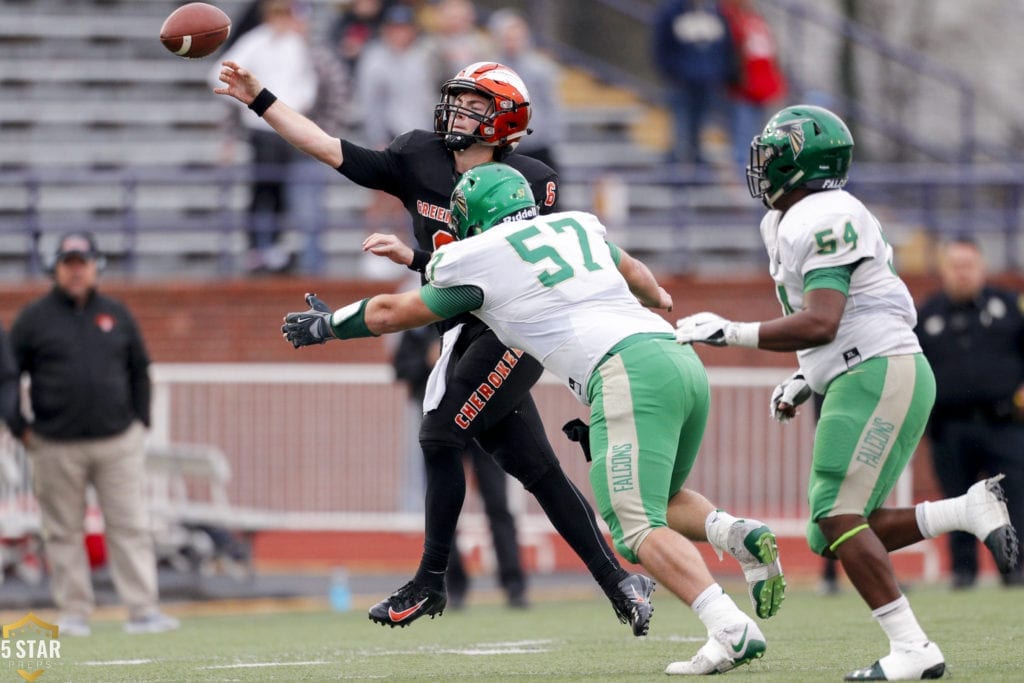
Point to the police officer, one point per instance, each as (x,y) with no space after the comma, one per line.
(973,335)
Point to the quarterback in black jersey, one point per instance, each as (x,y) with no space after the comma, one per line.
(483,112)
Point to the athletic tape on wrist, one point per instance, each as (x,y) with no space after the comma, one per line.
(743,334)
(349,322)
(262,102)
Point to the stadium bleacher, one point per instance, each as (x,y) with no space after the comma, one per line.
(102,129)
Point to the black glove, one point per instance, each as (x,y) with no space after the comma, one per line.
(309,327)
(579,431)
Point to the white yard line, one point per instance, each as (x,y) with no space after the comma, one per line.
(254,665)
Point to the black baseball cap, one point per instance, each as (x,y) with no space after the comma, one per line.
(77,244)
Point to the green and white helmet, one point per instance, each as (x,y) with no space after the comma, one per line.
(489,194)
(801,146)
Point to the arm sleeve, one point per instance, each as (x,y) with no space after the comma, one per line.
(837,278)
(448,302)
(377,170)
(16,421)
(9,380)
(138,369)
(615,252)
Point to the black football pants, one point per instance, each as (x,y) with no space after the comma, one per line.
(487,398)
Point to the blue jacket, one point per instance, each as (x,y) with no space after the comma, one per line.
(692,43)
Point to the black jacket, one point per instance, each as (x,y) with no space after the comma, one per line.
(976,349)
(88,366)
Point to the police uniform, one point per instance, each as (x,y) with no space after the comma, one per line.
(976,349)
(419,170)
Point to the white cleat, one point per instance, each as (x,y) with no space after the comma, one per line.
(725,650)
(986,510)
(904,664)
(754,546)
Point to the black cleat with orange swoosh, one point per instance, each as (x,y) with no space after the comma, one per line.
(632,602)
(407,604)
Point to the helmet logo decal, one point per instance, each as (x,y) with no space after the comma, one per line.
(459,202)
(794,130)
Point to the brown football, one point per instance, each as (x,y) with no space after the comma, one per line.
(195,30)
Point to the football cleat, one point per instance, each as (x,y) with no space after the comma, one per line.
(632,602)
(725,650)
(407,604)
(986,508)
(910,664)
(754,546)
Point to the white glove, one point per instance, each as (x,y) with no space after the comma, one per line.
(713,329)
(791,392)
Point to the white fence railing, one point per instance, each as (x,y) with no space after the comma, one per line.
(333,447)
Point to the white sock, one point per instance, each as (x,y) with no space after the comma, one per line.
(935,518)
(716,527)
(899,623)
(715,608)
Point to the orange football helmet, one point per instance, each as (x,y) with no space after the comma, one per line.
(504,121)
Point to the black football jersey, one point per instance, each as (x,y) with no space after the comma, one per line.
(419,170)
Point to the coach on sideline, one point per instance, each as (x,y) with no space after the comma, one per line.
(90,395)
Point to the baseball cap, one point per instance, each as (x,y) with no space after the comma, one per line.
(80,244)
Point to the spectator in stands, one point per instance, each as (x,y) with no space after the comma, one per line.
(759,84)
(514,46)
(457,39)
(308,179)
(850,319)
(397,79)
(973,334)
(356,26)
(279,48)
(395,91)
(90,394)
(693,51)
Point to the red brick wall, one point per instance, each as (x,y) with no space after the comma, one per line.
(239,320)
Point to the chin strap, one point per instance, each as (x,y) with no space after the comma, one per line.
(456,142)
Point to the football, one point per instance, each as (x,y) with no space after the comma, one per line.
(195,30)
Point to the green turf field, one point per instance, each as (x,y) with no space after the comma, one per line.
(812,639)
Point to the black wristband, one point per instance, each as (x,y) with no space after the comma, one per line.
(420,259)
(262,102)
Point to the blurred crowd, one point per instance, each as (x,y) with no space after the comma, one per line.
(374,68)
(375,72)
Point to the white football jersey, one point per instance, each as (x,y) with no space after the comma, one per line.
(551,289)
(830,229)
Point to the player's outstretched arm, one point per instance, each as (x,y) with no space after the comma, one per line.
(297,129)
(369,317)
(388,313)
(642,283)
